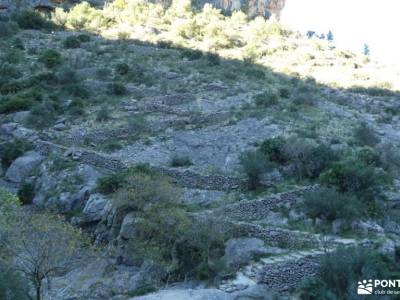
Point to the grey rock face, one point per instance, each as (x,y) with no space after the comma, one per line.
(128,226)
(94,208)
(64,189)
(240,251)
(23,166)
(102,279)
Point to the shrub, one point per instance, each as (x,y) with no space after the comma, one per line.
(26,192)
(29,19)
(72,42)
(368,156)
(191,54)
(117,88)
(67,76)
(76,107)
(103,114)
(254,165)
(84,38)
(267,98)
(328,204)
(213,59)
(353,176)
(341,270)
(8,71)
(15,103)
(17,43)
(284,92)
(51,58)
(180,161)
(273,149)
(13,150)
(8,29)
(364,135)
(308,158)
(254,73)
(78,90)
(111,183)
(122,69)
(42,115)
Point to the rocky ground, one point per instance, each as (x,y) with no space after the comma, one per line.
(183,107)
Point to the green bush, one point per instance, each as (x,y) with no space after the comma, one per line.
(78,90)
(308,158)
(121,69)
(117,88)
(29,19)
(254,73)
(51,58)
(180,161)
(8,29)
(15,103)
(67,76)
(103,114)
(111,183)
(76,107)
(254,166)
(84,38)
(213,59)
(273,149)
(328,204)
(341,270)
(284,92)
(72,42)
(17,43)
(364,135)
(353,176)
(267,98)
(26,192)
(191,54)
(9,71)
(42,115)
(369,156)
(13,150)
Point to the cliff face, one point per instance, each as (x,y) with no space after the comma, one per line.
(253,8)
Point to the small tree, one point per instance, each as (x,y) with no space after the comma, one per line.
(329,36)
(366,50)
(42,246)
(254,164)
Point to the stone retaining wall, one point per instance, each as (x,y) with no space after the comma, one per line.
(185,178)
(259,209)
(281,277)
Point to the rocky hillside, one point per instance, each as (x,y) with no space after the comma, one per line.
(253,8)
(167,153)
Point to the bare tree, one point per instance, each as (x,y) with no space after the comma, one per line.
(43,246)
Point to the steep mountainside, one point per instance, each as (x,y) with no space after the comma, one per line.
(195,155)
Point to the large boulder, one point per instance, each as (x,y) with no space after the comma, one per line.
(94,209)
(23,166)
